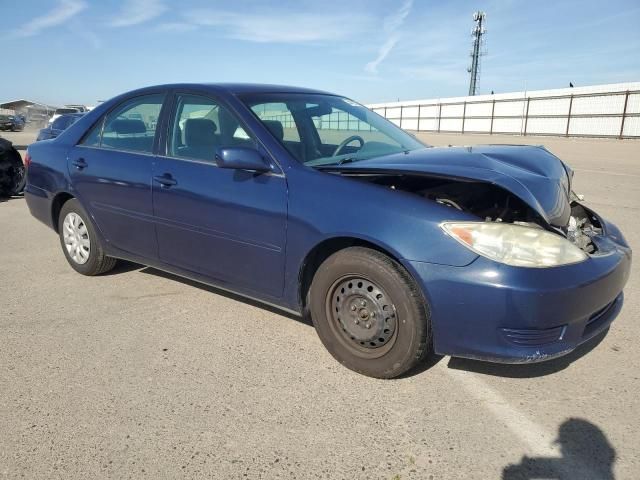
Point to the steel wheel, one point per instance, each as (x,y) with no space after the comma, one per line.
(369,312)
(76,238)
(363,315)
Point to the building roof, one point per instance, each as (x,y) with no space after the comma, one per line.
(22,103)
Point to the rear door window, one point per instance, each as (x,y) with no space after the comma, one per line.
(131,126)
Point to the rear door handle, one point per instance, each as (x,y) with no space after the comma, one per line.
(80,163)
(165,180)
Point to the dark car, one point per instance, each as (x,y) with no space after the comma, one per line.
(311,202)
(58,126)
(11,122)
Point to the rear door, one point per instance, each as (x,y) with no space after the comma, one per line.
(226,224)
(111,171)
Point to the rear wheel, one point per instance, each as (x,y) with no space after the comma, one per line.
(369,313)
(80,243)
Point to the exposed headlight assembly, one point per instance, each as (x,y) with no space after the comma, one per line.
(515,245)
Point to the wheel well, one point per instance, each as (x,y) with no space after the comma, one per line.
(56,206)
(320,253)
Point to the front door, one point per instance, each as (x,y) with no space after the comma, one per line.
(226,224)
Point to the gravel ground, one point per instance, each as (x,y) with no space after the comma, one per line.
(138,374)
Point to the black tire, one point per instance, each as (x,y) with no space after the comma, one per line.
(12,171)
(97,262)
(372,283)
(18,174)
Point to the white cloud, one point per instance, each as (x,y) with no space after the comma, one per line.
(135,12)
(176,27)
(280,27)
(64,11)
(392,24)
(383,52)
(394,21)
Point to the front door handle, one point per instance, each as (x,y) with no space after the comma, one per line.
(80,163)
(165,180)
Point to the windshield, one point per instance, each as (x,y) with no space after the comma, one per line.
(321,130)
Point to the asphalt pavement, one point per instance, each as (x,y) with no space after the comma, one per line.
(139,374)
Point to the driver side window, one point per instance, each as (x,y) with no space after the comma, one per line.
(201,125)
(280,122)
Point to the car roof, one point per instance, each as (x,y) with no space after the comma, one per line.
(238,88)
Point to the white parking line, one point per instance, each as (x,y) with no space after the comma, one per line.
(537,441)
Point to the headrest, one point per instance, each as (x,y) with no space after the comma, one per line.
(199,131)
(275,127)
(125,126)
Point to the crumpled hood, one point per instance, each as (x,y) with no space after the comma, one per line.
(532,173)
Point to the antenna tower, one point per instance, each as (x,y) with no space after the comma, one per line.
(477,33)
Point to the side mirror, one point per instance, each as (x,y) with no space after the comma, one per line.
(241,158)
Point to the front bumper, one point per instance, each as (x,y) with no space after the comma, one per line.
(496,312)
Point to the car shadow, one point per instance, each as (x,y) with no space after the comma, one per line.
(123,266)
(428,363)
(586,453)
(4,198)
(527,370)
(423,366)
(224,293)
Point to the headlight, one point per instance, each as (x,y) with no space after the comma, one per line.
(515,245)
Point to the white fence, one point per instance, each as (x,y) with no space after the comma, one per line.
(594,111)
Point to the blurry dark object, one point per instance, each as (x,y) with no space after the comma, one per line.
(11,122)
(12,172)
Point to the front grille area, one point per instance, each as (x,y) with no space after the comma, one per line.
(533,338)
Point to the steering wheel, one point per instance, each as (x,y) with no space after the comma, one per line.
(346,142)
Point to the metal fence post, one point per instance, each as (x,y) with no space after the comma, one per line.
(464,111)
(526,116)
(401,109)
(418,125)
(439,116)
(624,114)
(493,109)
(566,134)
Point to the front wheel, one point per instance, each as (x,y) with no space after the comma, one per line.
(369,313)
(80,243)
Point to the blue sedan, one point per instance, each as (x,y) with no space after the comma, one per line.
(311,202)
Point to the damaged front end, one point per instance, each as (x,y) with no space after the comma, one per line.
(489,203)
(549,272)
(583,226)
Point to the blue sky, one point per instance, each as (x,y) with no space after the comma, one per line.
(69,51)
